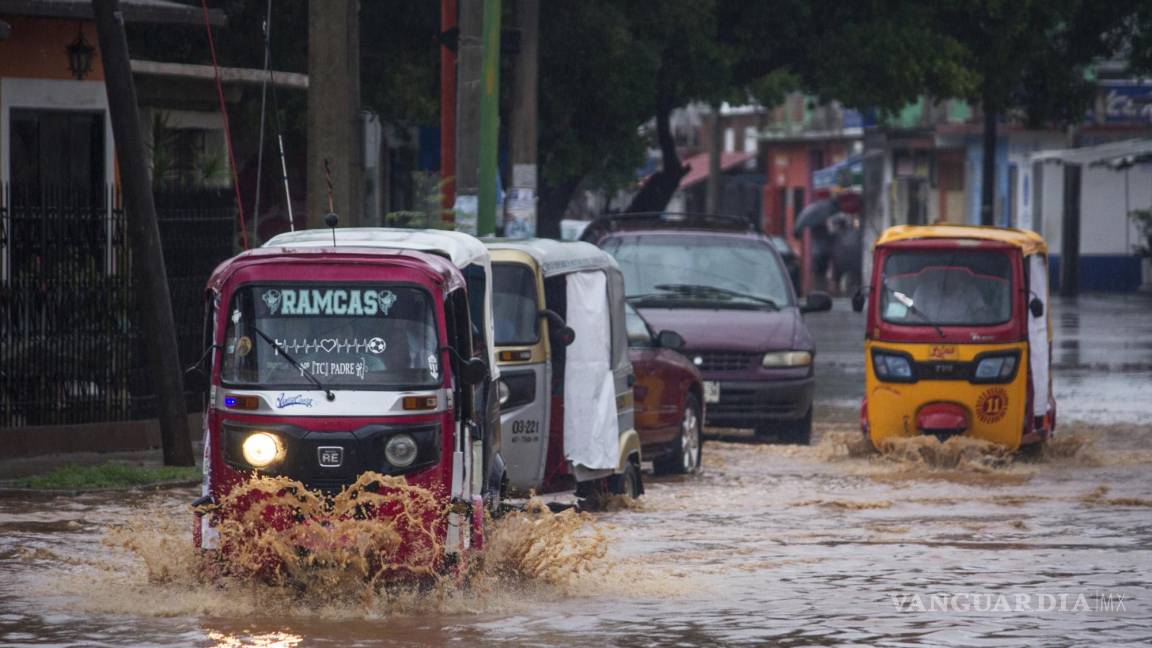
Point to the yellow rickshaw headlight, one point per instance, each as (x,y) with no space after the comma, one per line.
(777,359)
(892,367)
(262,449)
(995,368)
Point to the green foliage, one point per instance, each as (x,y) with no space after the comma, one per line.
(101,476)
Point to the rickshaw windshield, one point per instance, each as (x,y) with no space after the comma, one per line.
(353,336)
(516,314)
(947,288)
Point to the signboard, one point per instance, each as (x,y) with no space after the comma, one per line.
(1126,103)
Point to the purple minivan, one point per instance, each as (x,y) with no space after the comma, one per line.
(722,285)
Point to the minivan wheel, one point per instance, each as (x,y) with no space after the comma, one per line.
(798,432)
(686,452)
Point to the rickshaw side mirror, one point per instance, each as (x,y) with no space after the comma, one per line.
(565,336)
(816,302)
(473,371)
(670,340)
(1036,307)
(858,299)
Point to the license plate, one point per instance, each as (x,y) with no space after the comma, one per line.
(711,391)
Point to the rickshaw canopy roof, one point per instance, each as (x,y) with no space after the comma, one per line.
(436,266)
(462,249)
(1027,241)
(558,257)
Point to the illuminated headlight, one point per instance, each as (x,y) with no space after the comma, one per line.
(995,368)
(262,449)
(787,359)
(892,367)
(503,391)
(401,450)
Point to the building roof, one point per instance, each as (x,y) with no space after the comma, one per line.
(699,166)
(144,11)
(1028,241)
(557,257)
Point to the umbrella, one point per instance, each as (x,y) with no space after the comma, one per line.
(814,214)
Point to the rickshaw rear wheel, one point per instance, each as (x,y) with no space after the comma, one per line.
(627,483)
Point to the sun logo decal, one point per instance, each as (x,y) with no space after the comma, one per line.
(992,405)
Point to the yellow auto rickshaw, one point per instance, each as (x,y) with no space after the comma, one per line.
(958,338)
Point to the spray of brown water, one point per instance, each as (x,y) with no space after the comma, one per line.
(338,562)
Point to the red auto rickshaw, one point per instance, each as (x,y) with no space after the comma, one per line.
(331,362)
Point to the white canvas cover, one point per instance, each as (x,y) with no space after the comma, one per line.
(1038,334)
(591,429)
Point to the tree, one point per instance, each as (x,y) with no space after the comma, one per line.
(607,68)
(1029,60)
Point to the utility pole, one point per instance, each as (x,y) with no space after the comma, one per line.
(520,221)
(149,275)
(447,107)
(988,169)
(1070,233)
(468,68)
(489,120)
(334,131)
(712,190)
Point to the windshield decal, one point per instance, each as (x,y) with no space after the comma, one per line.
(328,301)
(375,345)
(433,366)
(284,400)
(355,369)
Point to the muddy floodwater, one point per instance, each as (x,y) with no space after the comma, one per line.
(773,545)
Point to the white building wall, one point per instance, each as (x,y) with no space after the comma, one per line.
(1106,197)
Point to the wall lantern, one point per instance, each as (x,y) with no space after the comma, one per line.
(80,55)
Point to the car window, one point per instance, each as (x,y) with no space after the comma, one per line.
(515,311)
(738,265)
(639,334)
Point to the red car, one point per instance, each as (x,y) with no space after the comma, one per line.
(669,396)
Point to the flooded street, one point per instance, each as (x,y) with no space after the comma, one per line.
(931,545)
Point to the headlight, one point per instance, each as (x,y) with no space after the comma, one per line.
(262,449)
(995,369)
(787,359)
(401,450)
(503,391)
(892,367)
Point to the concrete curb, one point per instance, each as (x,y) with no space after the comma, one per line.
(39,493)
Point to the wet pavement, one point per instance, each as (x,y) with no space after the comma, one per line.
(773,545)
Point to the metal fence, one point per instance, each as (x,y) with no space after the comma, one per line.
(71,348)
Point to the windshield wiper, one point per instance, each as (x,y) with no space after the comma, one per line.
(700,288)
(292,361)
(911,306)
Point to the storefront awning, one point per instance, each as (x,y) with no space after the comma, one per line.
(1118,155)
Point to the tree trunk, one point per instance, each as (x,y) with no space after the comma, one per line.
(662,185)
(988,174)
(553,203)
